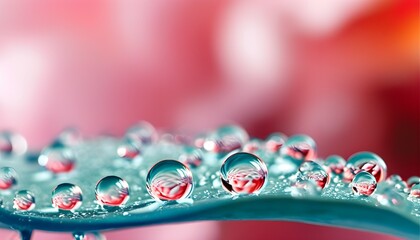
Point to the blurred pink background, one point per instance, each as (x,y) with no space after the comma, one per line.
(344,72)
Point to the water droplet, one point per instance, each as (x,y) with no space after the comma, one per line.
(243,173)
(413,180)
(128,150)
(199,140)
(112,191)
(397,182)
(191,156)
(305,188)
(79,236)
(12,143)
(24,200)
(143,133)
(299,147)
(312,171)
(415,191)
(335,163)
(70,136)
(252,146)
(57,159)
(363,183)
(8,177)
(386,195)
(67,196)
(169,180)
(226,139)
(275,141)
(367,162)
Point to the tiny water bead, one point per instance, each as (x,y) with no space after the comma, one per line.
(88,236)
(128,150)
(243,173)
(12,143)
(335,164)
(299,147)
(312,171)
(112,191)
(363,183)
(24,200)
(8,177)
(226,139)
(397,182)
(57,159)
(305,188)
(275,141)
(191,156)
(67,196)
(142,132)
(367,162)
(169,180)
(415,191)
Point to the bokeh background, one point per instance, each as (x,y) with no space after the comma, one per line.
(344,72)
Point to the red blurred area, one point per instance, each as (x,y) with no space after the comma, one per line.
(344,72)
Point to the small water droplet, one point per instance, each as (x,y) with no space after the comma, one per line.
(142,132)
(312,171)
(387,195)
(275,141)
(24,200)
(226,139)
(413,180)
(79,236)
(112,191)
(8,177)
(305,188)
(70,136)
(169,180)
(67,196)
(128,150)
(363,183)
(199,140)
(397,182)
(299,148)
(191,156)
(415,191)
(243,173)
(57,159)
(366,162)
(12,143)
(335,163)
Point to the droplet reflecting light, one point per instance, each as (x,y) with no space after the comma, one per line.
(363,183)
(67,196)
(112,191)
(8,177)
(24,200)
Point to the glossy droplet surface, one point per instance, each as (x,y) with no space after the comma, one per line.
(24,200)
(335,164)
(169,180)
(413,180)
(226,139)
(312,171)
(300,148)
(191,156)
(112,191)
(128,150)
(366,162)
(8,177)
(57,159)
(275,141)
(243,173)
(397,182)
(12,143)
(363,183)
(387,195)
(142,132)
(252,146)
(67,196)
(415,191)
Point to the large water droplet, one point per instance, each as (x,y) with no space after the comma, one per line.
(415,191)
(142,132)
(8,177)
(275,141)
(366,162)
(312,171)
(191,156)
(24,200)
(226,139)
(57,159)
(299,147)
(335,163)
(363,183)
(67,196)
(12,143)
(169,180)
(128,150)
(243,173)
(112,191)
